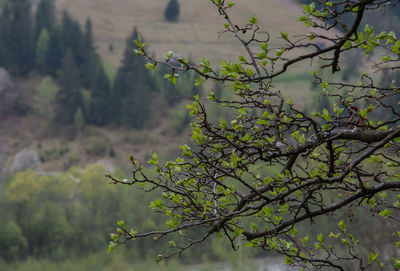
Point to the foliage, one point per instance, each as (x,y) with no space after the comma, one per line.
(17,43)
(60,222)
(45,17)
(90,59)
(99,108)
(97,145)
(46,95)
(42,46)
(172,11)
(69,97)
(133,90)
(79,121)
(262,176)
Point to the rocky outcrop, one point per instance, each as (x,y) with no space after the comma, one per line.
(26,159)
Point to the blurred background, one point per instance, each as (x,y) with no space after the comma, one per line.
(75,102)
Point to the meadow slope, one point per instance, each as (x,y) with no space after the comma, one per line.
(196,33)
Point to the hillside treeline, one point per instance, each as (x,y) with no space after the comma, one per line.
(64,51)
(70,215)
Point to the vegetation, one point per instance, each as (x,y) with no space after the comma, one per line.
(262,176)
(68,54)
(61,222)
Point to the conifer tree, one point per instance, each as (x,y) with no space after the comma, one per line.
(72,38)
(45,17)
(99,108)
(132,89)
(172,11)
(17,44)
(56,52)
(90,58)
(69,97)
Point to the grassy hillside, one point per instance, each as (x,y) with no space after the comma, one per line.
(196,33)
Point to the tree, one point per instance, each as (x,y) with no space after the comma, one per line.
(17,43)
(171,13)
(99,108)
(42,47)
(132,89)
(274,176)
(46,96)
(56,52)
(45,17)
(72,39)
(90,58)
(69,97)
(12,242)
(79,121)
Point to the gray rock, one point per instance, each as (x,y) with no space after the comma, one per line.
(107,164)
(26,159)
(5,80)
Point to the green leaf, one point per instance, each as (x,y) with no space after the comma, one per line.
(111,247)
(320,238)
(304,240)
(121,224)
(341,225)
(325,115)
(372,257)
(363,113)
(302,18)
(171,244)
(264,46)
(246,137)
(150,66)
(385,213)
(396,263)
(279,52)
(253,20)
(138,52)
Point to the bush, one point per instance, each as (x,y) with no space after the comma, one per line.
(97,145)
(172,11)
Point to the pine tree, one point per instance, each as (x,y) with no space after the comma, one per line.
(69,97)
(132,89)
(45,17)
(72,38)
(17,43)
(90,58)
(99,108)
(172,11)
(55,54)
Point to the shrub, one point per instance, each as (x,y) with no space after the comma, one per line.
(172,11)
